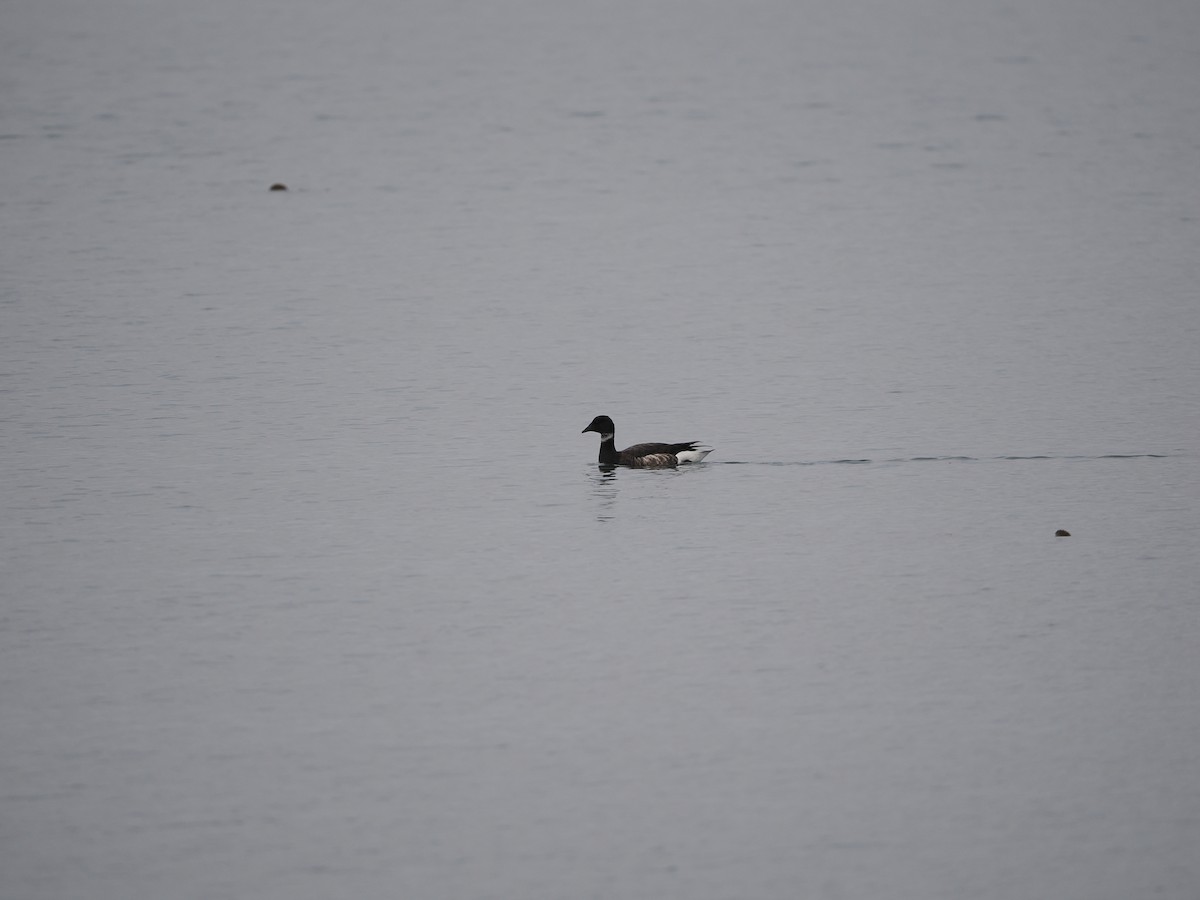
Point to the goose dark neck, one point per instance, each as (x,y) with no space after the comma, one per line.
(608,450)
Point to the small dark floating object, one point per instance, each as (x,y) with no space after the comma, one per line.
(279,186)
(1062,532)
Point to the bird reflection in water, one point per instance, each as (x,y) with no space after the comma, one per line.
(604,489)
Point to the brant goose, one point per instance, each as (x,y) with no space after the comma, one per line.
(643,456)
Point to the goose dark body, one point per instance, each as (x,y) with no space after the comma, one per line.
(643,456)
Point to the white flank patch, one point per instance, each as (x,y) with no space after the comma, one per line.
(693,456)
(656,461)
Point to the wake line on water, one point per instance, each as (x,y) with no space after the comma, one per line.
(921,459)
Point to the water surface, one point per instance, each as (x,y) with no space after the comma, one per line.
(311,586)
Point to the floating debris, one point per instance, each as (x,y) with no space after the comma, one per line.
(1062,532)
(279,186)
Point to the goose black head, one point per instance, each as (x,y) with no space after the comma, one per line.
(601,425)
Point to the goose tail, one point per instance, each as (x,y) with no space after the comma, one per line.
(694,455)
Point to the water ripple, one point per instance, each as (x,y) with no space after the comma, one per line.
(921,459)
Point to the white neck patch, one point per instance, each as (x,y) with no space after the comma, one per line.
(607,437)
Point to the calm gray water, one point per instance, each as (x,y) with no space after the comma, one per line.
(311,586)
